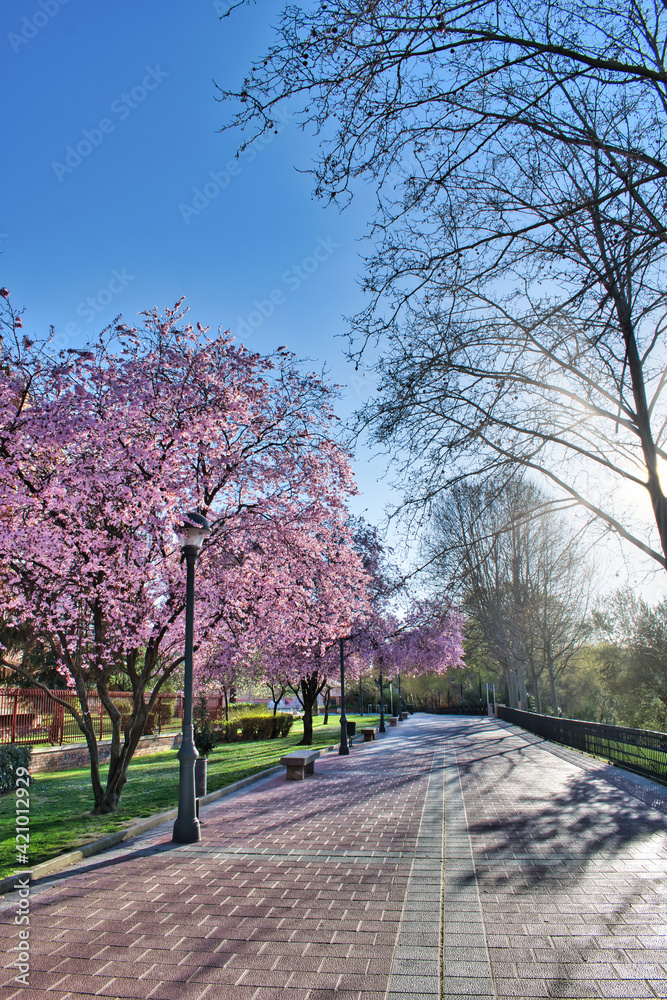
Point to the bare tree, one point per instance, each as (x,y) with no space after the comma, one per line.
(517,284)
(519,573)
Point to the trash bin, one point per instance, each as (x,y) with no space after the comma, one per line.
(201,767)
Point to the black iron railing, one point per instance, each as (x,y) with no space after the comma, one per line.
(462,710)
(638,750)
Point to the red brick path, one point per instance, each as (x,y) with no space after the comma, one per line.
(570,866)
(296,890)
(333,888)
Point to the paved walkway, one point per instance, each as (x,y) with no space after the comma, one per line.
(545,880)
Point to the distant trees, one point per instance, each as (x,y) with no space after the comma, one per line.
(519,573)
(353,598)
(404,635)
(633,658)
(517,284)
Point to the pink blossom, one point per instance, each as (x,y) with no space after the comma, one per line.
(104,449)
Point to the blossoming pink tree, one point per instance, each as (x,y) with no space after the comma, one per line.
(329,598)
(430,640)
(101,452)
(354,597)
(427,637)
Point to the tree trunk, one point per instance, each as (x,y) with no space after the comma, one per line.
(524,694)
(649,448)
(107,800)
(552,683)
(511,686)
(276,696)
(327,697)
(310,688)
(119,763)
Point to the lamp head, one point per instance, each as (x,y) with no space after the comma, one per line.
(193,530)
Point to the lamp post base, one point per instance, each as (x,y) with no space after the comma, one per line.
(186,827)
(344,748)
(186,831)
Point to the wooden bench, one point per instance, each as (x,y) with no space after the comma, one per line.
(392,720)
(300,763)
(369,734)
(404,716)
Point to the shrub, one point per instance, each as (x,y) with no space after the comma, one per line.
(239,710)
(284,723)
(256,727)
(225,732)
(253,727)
(204,737)
(12,757)
(166,711)
(149,725)
(203,729)
(264,727)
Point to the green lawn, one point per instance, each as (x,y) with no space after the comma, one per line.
(60,801)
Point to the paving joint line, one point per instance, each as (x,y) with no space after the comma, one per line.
(466,968)
(417,962)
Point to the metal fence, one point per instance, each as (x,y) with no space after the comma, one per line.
(638,750)
(30,715)
(461,710)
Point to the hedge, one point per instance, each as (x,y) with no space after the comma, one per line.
(253,727)
(12,757)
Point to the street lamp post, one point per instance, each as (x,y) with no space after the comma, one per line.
(400,703)
(382,725)
(344,748)
(194,529)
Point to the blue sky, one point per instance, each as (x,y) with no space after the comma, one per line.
(120,193)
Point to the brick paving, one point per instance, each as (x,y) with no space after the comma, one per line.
(547,880)
(570,867)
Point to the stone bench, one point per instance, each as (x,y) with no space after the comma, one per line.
(392,720)
(369,733)
(300,764)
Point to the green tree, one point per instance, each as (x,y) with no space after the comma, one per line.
(584,693)
(634,658)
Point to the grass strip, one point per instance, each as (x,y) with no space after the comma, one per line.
(60,801)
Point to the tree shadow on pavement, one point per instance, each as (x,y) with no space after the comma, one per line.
(543,817)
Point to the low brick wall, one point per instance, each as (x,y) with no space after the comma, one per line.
(61,758)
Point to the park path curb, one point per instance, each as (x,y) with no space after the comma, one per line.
(57,864)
